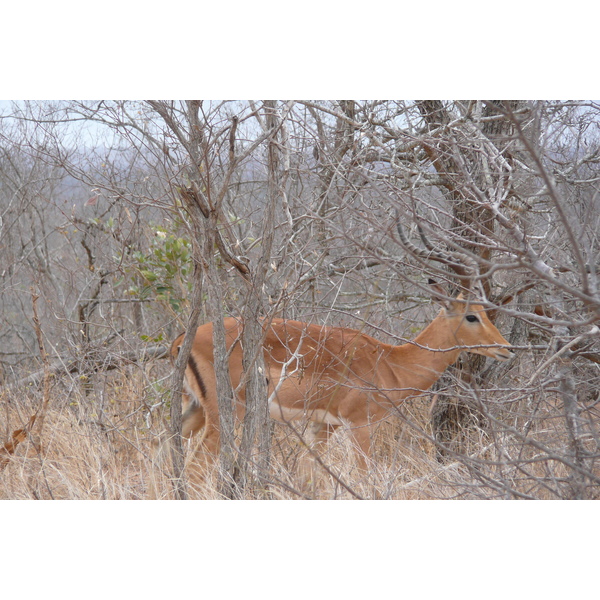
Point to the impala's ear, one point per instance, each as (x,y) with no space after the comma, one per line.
(440,294)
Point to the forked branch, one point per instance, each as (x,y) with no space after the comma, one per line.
(463,266)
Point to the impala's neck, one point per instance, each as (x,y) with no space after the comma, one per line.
(420,363)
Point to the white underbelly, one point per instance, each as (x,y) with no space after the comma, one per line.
(283,413)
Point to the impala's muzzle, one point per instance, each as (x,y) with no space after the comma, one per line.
(502,354)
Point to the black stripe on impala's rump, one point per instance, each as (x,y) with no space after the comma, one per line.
(199,381)
(175,347)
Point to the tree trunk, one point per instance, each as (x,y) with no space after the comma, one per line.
(257,423)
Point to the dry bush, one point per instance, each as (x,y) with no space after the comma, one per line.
(92,446)
(100,437)
(90,451)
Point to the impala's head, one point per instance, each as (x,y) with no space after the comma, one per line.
(471,327)
(464,323)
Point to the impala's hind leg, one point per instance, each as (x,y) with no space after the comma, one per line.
(193,418)
(205,452)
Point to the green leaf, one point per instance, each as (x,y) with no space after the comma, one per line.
(149,275)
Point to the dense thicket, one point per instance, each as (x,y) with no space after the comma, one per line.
(132,221)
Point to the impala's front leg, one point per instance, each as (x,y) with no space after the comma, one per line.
(356,413)
(316,437)
(318,434)
(361,436)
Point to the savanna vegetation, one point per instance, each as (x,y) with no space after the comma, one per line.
(124,223)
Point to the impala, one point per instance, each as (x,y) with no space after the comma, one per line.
(334,376)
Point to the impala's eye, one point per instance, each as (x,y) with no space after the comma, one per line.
(472,318)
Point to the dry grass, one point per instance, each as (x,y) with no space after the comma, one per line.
(87,451)
(100,446)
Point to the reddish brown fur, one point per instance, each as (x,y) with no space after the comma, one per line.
(342,375)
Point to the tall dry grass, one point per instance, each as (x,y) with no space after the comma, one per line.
(98,442)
